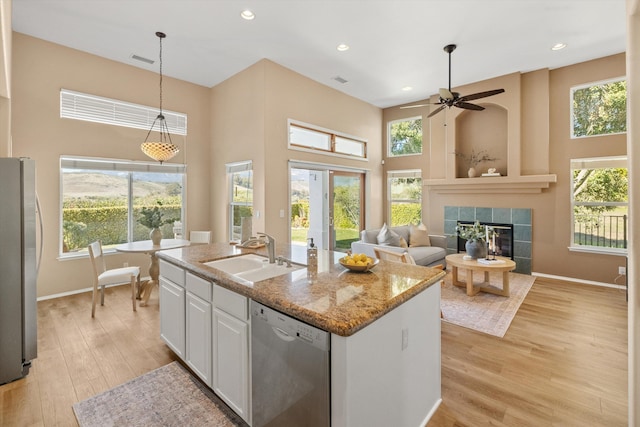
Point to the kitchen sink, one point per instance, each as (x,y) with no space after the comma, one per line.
(251,267)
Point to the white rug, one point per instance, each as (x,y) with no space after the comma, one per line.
(484,312)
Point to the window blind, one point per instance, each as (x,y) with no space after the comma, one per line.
(70,162)
(92,108)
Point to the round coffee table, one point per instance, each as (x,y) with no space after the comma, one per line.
(504,265)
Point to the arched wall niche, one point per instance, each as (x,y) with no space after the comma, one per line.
(483,131)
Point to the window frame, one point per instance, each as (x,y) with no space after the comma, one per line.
(572,91)
(332,135)
(114,165)
(405,119)
(605,162)
(232,168)
(407,173)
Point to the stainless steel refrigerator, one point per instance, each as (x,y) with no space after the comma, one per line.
(18,321)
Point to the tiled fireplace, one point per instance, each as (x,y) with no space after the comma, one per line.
(519,218)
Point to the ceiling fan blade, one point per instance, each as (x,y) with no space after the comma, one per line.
(437,110)
(468,106)
(481,95)
(445,93)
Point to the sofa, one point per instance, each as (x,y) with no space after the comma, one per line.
(429,253)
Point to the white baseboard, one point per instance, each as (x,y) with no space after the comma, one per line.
(585,282)
(80,291)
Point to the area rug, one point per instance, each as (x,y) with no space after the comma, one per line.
(484,312)
(167,396)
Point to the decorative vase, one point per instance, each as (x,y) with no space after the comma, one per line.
(476,249)
(156,236)
(471,172)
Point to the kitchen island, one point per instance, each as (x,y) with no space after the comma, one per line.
(384,326)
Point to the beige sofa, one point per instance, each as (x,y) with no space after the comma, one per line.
(423,255)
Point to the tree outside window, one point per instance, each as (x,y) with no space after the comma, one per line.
(405,198)
(600,202)
(599,109)
(240,197)
(405,137)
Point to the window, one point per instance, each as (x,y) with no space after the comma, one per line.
(102,200)
(92,108)
(599,108)
(240,196)
(600,204)
(405,137)
(405,197)
(311,138)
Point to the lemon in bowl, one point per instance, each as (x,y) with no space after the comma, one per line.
(358,262)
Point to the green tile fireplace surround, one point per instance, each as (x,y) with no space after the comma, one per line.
(520,218)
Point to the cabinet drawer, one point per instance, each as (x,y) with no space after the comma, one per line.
(199,287)
(230,302)
(172,272)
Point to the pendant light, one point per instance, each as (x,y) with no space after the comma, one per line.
(163,149)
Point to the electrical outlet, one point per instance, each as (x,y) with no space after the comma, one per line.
(125,264)
(622,271)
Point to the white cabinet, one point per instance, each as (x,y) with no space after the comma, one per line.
(172,304)
(231,350)
(198,327)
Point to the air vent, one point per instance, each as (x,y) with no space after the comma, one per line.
(339,79)
(140,58)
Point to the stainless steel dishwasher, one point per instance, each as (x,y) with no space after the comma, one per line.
(289,371)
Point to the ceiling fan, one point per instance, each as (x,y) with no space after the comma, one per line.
(450,99)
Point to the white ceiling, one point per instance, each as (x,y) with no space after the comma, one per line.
(394,43)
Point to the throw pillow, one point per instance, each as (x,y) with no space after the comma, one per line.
(388,237)
(419,236)
(403,242)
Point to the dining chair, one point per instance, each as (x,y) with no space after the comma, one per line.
(200,237)
(388,255)
(115,276)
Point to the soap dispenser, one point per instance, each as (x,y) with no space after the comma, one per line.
(312,259)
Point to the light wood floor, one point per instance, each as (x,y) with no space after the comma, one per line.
(563,361)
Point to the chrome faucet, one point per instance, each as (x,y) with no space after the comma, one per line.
(270,243)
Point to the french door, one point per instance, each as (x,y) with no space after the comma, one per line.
(327,205)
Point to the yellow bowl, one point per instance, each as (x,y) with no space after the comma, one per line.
(359,268)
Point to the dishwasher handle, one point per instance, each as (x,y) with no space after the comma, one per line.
(282,334)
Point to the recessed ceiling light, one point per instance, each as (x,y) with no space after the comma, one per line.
(247,14)
(342,47)
(558,46)
(407,88)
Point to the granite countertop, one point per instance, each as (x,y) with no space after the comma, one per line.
(336,300)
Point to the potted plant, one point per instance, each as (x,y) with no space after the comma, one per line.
(474,159)
(475,235)
(153,218)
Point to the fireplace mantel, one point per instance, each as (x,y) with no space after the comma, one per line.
(491,184)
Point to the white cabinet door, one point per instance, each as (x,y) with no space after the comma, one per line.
(172,316)
(231,362)
(199,337)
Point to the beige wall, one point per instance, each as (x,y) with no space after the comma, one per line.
(245,118)
(538,106)
(5,78)
(40,70)
(249,120)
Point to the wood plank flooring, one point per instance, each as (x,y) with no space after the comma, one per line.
(563,361)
